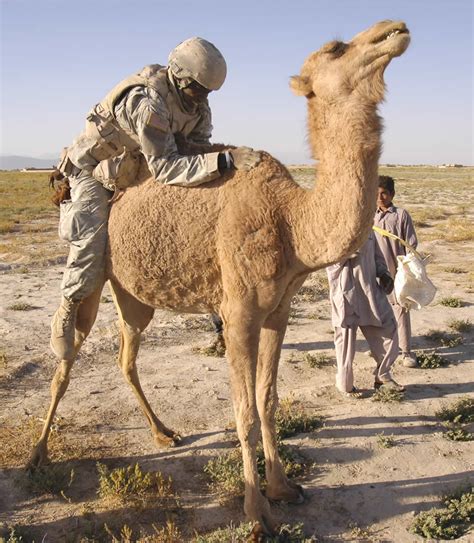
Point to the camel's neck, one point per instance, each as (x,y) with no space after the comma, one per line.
(335,219)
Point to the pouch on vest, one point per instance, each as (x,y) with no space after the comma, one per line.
(118,172)
(413,288)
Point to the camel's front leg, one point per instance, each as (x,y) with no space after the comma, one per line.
(279,488)
(241,331)
(134,318)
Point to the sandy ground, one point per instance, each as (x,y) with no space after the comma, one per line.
(353,481)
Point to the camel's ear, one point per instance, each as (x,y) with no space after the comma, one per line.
(300,85)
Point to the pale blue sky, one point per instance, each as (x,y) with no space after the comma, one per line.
(58,58)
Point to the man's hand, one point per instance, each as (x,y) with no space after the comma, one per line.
(386,282)
(244,158)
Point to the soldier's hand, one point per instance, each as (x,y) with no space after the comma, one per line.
(244,158)
(386,282)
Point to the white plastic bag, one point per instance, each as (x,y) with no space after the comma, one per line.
(413,289)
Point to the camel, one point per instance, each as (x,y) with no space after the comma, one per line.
(244,244)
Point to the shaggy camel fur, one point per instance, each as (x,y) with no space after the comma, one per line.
(244,244)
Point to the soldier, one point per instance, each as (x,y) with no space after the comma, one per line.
(396,221)
(359,301)
(144,114)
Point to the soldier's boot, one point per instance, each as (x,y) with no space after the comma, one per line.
(63,329)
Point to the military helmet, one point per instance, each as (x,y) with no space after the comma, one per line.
(199,60)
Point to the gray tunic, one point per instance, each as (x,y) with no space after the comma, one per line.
(356,297)
(397,221)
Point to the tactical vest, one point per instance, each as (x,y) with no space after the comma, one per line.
(103,137)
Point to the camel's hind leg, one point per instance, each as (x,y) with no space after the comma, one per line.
(134,318)
(86,315)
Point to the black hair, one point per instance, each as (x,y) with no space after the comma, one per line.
(387,182)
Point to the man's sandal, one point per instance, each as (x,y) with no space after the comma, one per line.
(355,393)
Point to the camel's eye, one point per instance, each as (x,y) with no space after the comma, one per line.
(336,48)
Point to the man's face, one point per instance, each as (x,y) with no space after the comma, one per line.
(195,92)
(384,198)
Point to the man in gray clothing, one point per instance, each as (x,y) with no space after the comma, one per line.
(359,301)
(396,221)
(144,115)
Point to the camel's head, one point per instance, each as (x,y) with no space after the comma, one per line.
(341,69)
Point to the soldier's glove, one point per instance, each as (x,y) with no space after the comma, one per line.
(244,158)
(386,282)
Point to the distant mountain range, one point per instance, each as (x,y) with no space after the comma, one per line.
(14,162)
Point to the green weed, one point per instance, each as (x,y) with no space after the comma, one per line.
(461,411)
(449,522)
(131,485)
(460,325)
(243,533)
(20,306)
(50,479)
(291,419)
(226,474)
(451,301)
(430,360)
(318,360)
(444,339)
(387,395)
(385,441)
(453,269)
(456,432)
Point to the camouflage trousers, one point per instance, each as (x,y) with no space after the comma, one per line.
(83,223)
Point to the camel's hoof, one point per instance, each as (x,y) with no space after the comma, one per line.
(164,441)
(38,458)
(293,494)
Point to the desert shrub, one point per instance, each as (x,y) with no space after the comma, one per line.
(50,479)
(131,484)
(444,338)
(460,325)
(384,441)
(226,471)
(242,533)
(169,533)
(291,419)
(14,536)
(430,360)
(455,416)
(460,411)
(457,432)
(449,522)
(20,306)
(451,301)
(454,269)
(318,360)
(387,395)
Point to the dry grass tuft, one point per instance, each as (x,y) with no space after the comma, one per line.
(21,306)
(444,339)
(461,326)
